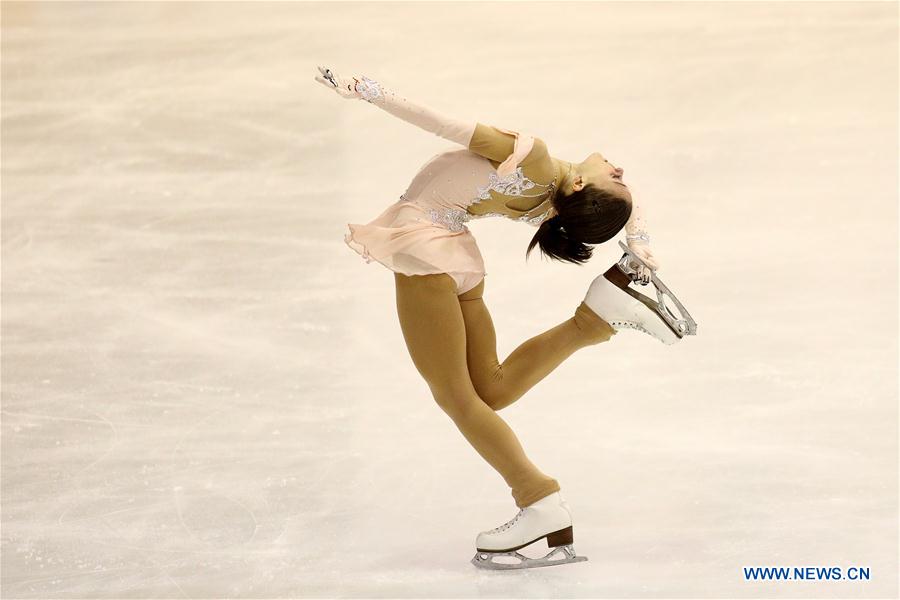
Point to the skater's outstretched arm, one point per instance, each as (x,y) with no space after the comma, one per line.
(491,142)
(373,92)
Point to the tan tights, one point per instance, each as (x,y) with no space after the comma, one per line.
(452,343)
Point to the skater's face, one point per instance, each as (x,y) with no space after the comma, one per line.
(599,172)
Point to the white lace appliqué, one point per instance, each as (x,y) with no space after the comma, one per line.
(534,221)
(636,227)
(512,185)
(368,89)
(453,219)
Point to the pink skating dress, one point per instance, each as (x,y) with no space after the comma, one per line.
(501,173)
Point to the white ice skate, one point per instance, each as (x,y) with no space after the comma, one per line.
(549,518)
(633,310)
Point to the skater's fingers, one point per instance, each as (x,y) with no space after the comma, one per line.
(328,74)
(650,260)
(645,275)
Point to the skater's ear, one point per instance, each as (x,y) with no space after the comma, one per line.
(578,183)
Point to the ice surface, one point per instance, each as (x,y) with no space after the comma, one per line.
(207,394)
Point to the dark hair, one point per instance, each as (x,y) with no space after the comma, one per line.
(588,216)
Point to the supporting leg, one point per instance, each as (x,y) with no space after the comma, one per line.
(435,335)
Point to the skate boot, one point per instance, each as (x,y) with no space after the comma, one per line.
(623,307)
(549,518)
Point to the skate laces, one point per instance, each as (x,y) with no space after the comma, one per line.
(509,523)
(630,325)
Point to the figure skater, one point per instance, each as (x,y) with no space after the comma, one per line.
(439,281)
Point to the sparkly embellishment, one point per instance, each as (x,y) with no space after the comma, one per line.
(511,185)
(490,214)
(453,219)
(368,89)
(535,221)
(641,237)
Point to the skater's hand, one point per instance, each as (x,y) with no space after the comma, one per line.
(344,86)
(643,251)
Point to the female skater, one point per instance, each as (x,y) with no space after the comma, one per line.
(439,279)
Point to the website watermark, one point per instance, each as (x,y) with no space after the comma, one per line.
(807,573)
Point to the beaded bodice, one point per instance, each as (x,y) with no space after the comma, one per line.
(496,197)
(514,184)
(506,192)
(458,186)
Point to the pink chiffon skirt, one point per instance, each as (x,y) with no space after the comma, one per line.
(406,239)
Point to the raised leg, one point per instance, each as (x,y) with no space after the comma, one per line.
(435,335)
(501,384)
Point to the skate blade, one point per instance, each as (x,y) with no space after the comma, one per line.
(682,324)
(485,560)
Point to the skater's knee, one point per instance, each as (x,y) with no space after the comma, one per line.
(489,386)
(593,328)
(498,400)
(494,393)
(455,400)
(454,406)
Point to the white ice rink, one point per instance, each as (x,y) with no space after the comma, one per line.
(206,393)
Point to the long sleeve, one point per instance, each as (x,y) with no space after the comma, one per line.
(455,130)
(637,222)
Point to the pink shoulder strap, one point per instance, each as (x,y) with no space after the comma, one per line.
(521,147)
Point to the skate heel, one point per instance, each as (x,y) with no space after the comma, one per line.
(563,537)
